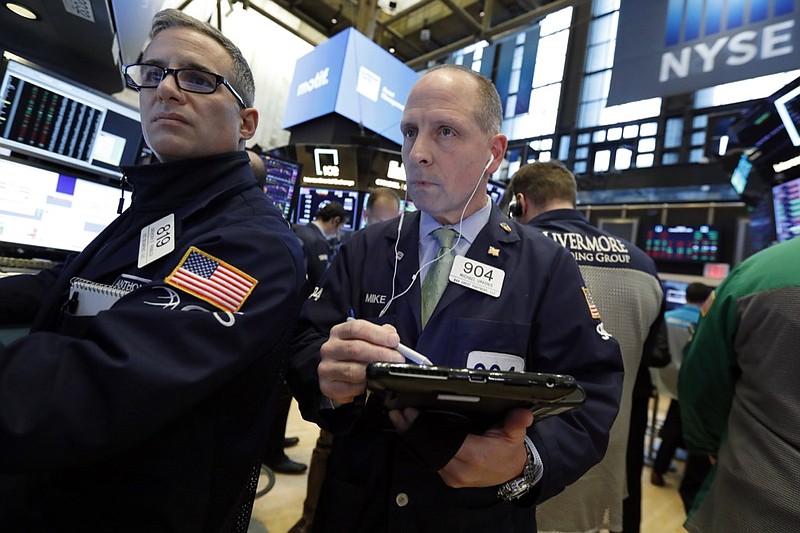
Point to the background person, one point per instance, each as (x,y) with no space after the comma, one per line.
(150,414)
(258,167)
(739,390)
(274,455)
(318,238)
(678,325)
(625,286)
(383,204)
(412,479)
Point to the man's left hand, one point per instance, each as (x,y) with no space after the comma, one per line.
(483,460)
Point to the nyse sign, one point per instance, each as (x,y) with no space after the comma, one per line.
(735,50)
(671,47)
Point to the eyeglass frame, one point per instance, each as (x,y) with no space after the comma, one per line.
(220,80)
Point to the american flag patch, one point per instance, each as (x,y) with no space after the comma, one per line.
(212,280)
(590,302)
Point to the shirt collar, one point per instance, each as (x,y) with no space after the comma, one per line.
(469,228)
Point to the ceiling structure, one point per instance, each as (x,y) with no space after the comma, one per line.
(88,51)
(418,31)
(88,40)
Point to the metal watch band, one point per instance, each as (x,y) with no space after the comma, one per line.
(516,488)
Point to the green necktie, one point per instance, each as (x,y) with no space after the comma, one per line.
(437,277)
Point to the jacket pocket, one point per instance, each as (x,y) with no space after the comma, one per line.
(480,335)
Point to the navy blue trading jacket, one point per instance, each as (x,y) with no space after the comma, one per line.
(317,251)
(151,415)
(373,482)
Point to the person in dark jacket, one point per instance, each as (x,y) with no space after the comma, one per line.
(422,471)
(140,398)
(318,236)
(383,204)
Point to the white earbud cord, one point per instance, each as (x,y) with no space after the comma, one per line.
(419,271)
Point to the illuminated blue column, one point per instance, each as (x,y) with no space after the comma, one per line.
(694,16)
(674,21)
(759,10)
(714,10)
(783,7)
(735,14)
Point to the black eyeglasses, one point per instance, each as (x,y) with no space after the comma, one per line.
(145,76)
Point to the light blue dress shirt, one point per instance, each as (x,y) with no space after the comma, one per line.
(429,247)
(468,229)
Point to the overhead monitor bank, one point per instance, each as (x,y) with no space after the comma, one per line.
(352,76)
(347,174)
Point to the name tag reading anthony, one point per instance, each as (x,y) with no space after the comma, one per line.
(477,276)
(157,240)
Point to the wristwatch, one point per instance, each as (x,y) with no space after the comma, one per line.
(516,488)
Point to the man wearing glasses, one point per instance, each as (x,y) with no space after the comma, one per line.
(140,399)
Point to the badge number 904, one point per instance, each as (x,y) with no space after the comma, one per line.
(477,276)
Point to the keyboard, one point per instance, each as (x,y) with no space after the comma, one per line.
(21,265)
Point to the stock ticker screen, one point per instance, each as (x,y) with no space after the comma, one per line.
(49,117)
(683,243)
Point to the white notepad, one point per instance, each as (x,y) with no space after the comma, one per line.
(87,298)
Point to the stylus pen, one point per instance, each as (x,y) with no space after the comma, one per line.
(410,354)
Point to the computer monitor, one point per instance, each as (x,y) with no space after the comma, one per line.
(46,214)
(788,106)
(281,181)
(768,129)
(683,243)
(310,200)
(49,117)
(624,228)
(674,293)
(495,191)
(786,202)
(741,173)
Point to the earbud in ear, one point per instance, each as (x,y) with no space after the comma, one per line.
(514,209)
(489,162)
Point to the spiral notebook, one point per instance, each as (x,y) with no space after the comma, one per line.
(87,298)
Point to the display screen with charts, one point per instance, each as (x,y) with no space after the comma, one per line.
(786,201)
(311,199)
(46,116)
(683,243)
(281,179)
(43,209)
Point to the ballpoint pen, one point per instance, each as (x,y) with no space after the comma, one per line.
(409,353)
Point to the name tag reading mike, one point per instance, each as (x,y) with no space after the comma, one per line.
(477,276)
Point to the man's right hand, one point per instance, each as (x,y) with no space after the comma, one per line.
(351,346)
